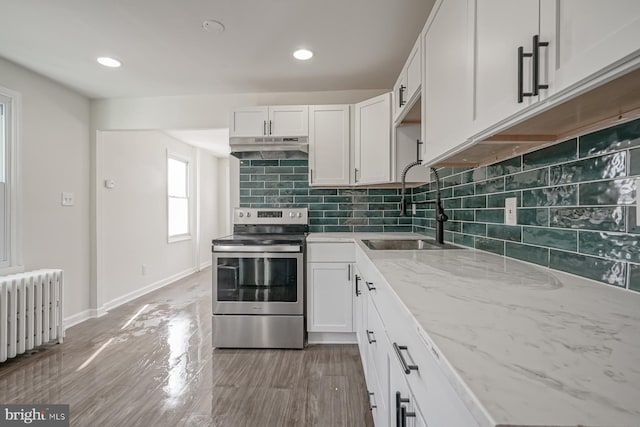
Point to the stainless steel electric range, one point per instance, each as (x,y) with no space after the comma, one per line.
(259,280)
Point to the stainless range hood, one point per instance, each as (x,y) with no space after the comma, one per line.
(269,148)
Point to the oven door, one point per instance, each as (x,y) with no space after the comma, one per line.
(253,280)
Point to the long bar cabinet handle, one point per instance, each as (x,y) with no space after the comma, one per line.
(405,366)
(521,56)
(536,64)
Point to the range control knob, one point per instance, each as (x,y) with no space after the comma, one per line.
(299,215)
(240,214)
(291,214)
(248,214)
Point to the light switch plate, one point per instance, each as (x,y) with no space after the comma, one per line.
(511,211)
(67,199)
(109,184)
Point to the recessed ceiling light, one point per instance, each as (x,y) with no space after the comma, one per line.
(302,54)
(109,62)
(213,26)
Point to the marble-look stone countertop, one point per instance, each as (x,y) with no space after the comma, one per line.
(535,346)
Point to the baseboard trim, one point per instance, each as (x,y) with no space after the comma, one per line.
(74,319)
(332,338)
(205,265)
(93,313)
(117,302)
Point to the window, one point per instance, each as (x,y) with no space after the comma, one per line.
(178,197)
(9,255)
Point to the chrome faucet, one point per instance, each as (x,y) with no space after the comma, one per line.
(441,217)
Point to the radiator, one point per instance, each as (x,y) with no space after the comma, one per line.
(30,311)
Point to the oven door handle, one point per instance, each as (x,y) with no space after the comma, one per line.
(252,248)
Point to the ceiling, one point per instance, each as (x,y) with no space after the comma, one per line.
(358,44)
(216,141)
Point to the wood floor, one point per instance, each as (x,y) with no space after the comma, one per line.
(159,370)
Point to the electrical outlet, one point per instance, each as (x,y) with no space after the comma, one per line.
(511,211)
(67,199)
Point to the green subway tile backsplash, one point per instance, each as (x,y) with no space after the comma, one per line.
(634,277)
(284,183)
(505,167)
(589,218)
(575,206)
(618,137)
(614,192)
(551,238)
(610,245)
(602,167)
(575,211)
(533,216)
(599,269)
(529,179)
(534,254)
(554,154)
(634,162)
(550,196)
(490,245)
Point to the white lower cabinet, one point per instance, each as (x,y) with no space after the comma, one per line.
(402,366)
(330,292)
(406,379)
(330,287)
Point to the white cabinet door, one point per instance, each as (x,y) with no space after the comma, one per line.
(329,145)
(330,303)
(588,36)
(249,121)
(501,26)
(446,95)
(377,395)
(288,120)
(414,71)
(373,140)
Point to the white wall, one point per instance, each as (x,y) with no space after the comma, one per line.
(185,112)
(134,214)
(55,158)
(209,188)
(203,111)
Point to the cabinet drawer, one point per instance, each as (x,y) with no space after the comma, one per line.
(434,395)
(378,347)
(330,252)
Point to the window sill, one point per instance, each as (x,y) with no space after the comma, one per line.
(180,238)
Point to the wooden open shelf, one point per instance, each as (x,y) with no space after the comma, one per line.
(606,105)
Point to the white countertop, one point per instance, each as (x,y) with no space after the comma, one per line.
(535,346)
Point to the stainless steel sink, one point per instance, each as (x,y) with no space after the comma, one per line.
(407,244)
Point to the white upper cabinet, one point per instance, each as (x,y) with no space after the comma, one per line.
(329,145)
(249,121)
(373,140)
(588,36)
(501,28)
(277,120)
(446,91)
(289,120)
(407,87)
